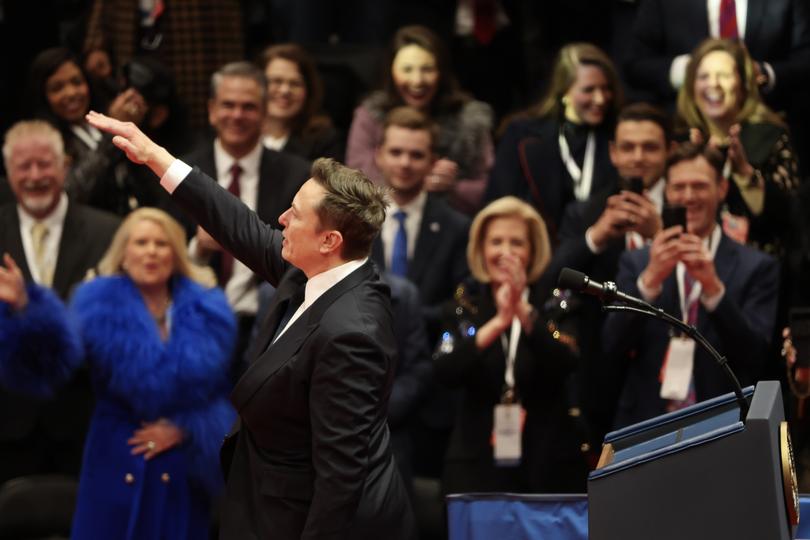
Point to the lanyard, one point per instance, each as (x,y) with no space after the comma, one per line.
(582,177)
(510,346)
(680,269)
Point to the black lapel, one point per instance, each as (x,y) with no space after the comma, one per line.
(430,235)
(71,251)
(695,17)
(378,252)
(725,261)
(753,23)
(12,240)
(280,352)
(267,175)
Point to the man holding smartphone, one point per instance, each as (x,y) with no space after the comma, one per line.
(727,290)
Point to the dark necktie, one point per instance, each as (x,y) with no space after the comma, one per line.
(227,259)
(728,20)
(293,304)
(691,305)
(484,22)
(399,256)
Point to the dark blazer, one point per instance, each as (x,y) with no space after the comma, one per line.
(439,260)
(52,432)
(740,328)
(777,32)
(528,165)
(552,461)
(310,455)
(280,176)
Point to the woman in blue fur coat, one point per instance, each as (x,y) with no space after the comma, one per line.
(156,339)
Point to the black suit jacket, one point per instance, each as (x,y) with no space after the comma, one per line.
(776,31)
(439,260)
(280,177)
(53,430)
(310,455)
(528,165)
(740,328)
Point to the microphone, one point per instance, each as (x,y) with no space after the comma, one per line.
(607,291)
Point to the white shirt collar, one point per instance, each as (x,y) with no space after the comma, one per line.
(224,161)
(318,284)
(52,221)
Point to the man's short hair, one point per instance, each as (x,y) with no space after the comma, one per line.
(687,151)
(33,128)
(242,69)
(352,205)
(644,112)
(410,118)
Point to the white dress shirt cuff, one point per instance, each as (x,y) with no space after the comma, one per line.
(711,302)
(677,70)
(592,247)
(175,174)
(648,294)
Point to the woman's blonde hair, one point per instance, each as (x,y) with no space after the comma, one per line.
(752,108)
(538,237)
(110,264)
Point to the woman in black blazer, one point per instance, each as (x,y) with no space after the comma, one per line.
(492,325)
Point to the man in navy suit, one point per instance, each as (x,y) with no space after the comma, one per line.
(435,234)
(727,290)
(310,456)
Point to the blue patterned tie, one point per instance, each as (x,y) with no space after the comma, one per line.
(399,257)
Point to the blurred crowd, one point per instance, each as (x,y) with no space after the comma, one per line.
(659,144)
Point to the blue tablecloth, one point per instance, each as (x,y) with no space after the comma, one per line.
(480,516)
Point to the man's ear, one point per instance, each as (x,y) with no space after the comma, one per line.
(332,242)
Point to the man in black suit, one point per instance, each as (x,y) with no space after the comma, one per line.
(310,455)
(54,242)
(263,179)
(594,234)
(432,255)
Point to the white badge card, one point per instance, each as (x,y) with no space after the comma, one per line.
(508,425)
(677,370)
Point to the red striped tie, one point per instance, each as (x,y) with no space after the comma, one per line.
(728,20)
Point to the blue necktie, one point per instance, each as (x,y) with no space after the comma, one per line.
(399,257)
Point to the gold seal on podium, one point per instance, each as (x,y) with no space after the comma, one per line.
(789,475)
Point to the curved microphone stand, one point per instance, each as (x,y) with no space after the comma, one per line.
(693,333)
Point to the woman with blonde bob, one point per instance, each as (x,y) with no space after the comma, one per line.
(556,151)
(496,348)
(719,103)
(156,340)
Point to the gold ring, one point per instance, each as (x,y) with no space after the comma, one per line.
(150,445)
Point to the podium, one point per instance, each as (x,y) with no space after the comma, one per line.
(698,473)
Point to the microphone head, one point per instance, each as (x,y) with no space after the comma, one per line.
(571,279)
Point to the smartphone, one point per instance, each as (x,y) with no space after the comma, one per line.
(673,215)
(800,334)
(634,184)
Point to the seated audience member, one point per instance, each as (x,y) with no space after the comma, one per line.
(727,290)
(720,101)
(501,355)
(294,122)
(417,74)
(264,179)
(98,175)
(557,151)
(595,233)
(155,339)
(422,239)
(54,241)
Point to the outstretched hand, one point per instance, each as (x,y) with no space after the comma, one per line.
(129,138)
(12,284)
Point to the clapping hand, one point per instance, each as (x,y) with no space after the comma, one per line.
(12,284)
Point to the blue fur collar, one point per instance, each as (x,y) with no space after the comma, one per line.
(128,358)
